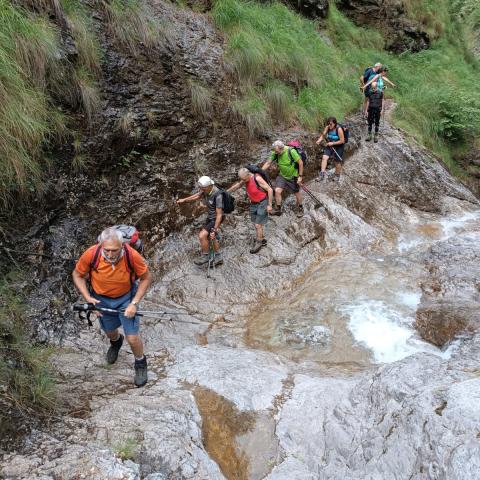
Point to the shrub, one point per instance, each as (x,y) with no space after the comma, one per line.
(26,381)
(201,99)
(133,25)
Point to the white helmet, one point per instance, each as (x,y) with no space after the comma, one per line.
(205,181)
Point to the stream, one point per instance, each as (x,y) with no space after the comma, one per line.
(359,309)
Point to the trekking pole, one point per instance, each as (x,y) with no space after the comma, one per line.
(312,196)
(86,310)
(211,258)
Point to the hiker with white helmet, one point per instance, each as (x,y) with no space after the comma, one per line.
(212,198)
(290,165)
(260,194)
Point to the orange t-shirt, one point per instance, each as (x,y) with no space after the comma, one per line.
(108,281)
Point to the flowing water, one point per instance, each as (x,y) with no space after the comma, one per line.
(354,310)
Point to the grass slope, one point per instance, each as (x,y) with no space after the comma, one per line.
(291,71)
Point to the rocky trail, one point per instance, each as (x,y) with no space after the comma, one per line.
(306,361)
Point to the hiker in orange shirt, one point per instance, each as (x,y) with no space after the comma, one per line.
(112,268)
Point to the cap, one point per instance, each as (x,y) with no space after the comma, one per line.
(205,181)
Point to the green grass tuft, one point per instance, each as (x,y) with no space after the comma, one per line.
(201,99)
(252,111)
(133,25)
(27,386)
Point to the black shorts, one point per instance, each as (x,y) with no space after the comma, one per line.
(335,156)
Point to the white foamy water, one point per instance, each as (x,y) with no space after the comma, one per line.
(387,330)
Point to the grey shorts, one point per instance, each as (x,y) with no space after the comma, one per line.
(258,212)
(283,183)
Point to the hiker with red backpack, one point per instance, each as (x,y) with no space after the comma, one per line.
(290,164)
(260,194)
(216,200)
(336,136)
(106,275)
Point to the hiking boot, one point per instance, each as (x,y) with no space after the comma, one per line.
(218,259)
(321,177)
(300,211)
(369,138)
(335,178)
(277,211)
(141,375)
(257,246)
(112,353)
(202,259)
(375,138)
(264,242)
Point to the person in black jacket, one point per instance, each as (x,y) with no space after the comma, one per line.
(374,109)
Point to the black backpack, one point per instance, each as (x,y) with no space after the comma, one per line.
(254,169)
(228,201)
(346,131)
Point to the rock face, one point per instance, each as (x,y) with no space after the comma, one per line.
(451,293)
(401,33)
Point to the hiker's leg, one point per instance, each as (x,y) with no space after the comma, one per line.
(377,120)
(113,335)
(278,196)
(323,166)
(204,241)
(136,345)
(259,232)
(298,196)
(370,119)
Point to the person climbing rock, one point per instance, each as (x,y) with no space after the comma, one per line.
(106,275)
(290,177)
(212,197)
(367,76)
(335,137)
(260,194)
(375,108)
(380,78)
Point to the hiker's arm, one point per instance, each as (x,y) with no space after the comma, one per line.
(235,186)
(191,198)
(362,81)
(300,171)
(320,138)
(267,164)
(80,282)
(374,79)
(388,81)
(143,285)
(218,221)
(269,191)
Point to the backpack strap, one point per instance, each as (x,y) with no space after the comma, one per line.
(129,262)
(96,258)
(257,184)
